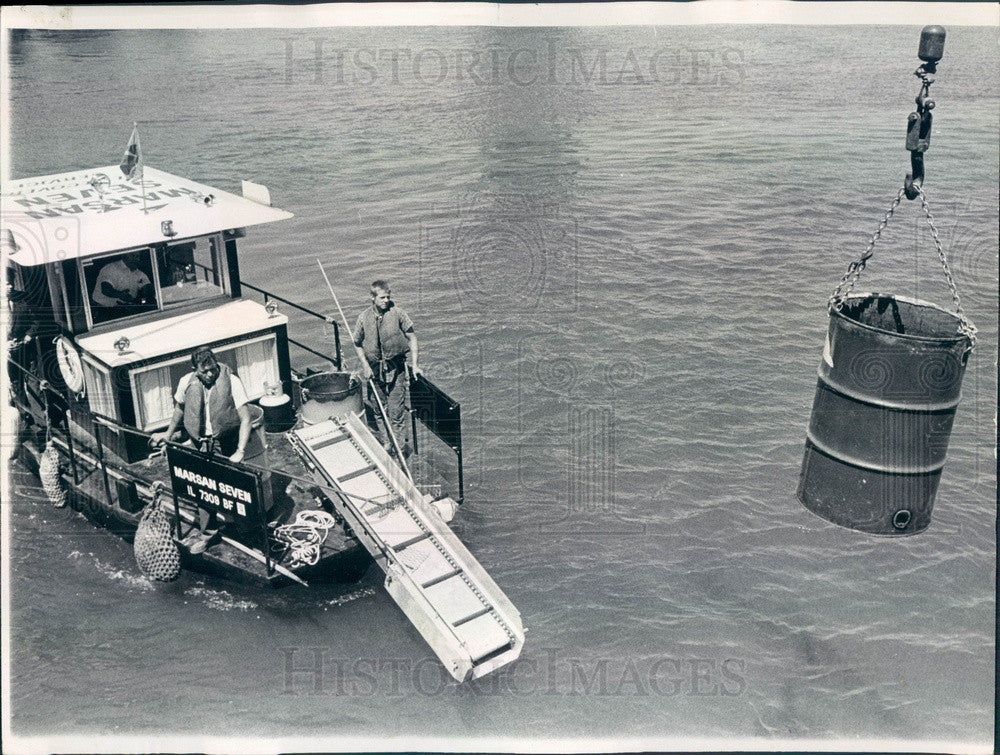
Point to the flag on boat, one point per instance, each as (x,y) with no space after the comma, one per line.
(132,161)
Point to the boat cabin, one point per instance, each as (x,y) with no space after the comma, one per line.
(133,276)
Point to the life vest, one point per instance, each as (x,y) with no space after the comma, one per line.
(388,329)
(221,407)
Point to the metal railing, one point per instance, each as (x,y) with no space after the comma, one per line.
(268,296)
(50,397)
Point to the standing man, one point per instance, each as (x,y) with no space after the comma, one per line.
(211,403)
(382,337)
(21,357)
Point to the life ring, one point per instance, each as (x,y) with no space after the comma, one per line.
(70,365)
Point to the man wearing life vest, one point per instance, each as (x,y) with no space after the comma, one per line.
(383,336)
(211,403)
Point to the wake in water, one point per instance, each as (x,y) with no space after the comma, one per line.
(365,592)
(136,581)
(216,599)
(220,600)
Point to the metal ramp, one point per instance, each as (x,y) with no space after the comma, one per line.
(447,595)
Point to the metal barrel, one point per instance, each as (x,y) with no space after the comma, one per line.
(889,382)
(329,394)
(279,414)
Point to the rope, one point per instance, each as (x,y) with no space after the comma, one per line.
(854,270)
(304,536)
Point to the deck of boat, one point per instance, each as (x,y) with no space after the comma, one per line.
(341,557)
(294,488)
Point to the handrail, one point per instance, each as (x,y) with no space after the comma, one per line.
(269,295)
(98,419)
(22,368)
(45,385)
(313,351)
(338,359)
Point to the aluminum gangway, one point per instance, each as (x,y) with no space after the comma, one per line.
(443,590)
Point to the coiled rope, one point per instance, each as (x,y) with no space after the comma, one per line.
(304,536)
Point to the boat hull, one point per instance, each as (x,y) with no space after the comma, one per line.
(344,561)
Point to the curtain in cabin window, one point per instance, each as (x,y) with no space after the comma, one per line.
(155,392)
(99,392)
(257,364)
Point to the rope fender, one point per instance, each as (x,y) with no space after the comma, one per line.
(49,474)
(156,553)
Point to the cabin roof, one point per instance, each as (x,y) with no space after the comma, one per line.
(180,333)
(88,212)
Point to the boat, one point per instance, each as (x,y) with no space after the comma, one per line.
(316,499)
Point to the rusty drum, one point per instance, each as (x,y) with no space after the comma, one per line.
(889,383)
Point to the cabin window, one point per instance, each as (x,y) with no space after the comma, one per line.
(120,285)
(153,391)
(257,365)
(255,361)
(146,280)
(100,393)
(190,270)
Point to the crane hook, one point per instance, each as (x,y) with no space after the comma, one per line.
(919,122)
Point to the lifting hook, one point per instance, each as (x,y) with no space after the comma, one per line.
(918,124)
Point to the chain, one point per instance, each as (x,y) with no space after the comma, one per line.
(966,327)
(855,269)
(918,136)
(926,79)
